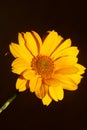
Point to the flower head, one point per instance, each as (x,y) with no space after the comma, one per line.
(47,66)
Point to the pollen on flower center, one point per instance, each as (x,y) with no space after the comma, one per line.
(43,65)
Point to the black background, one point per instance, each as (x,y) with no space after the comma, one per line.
(69,19)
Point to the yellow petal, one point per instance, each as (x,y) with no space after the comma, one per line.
(75,78)
(15,49)
(67,70)
(28,74)
(31,43)
(59,92)
(71,51)
(50,43)
(51,81)
(81,68)
(53,93)
(42,91)
(65,44)
(66,82)
(33,83)
(21,52)
(56,92)
(21,84)
(70,87)
(46,100)
(22,44)
(38,84)
(37,39)
(19,65)
(21,39)
(65,61)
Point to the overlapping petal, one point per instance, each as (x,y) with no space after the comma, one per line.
(31,42)
(81,68)
(20,52)
(35,83)
(50,43)
(56,92)
(69,69)
(28,74)
(64,45)
(21,84)
(19,65)
(76,78)
(64,62)
(46,100)
(37,39)
(42,91)
(71,51)
(66,82)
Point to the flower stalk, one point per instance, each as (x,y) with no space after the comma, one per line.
(8,102)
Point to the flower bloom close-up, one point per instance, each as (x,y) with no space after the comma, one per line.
(46,66)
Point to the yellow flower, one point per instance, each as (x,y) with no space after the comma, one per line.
(47,66)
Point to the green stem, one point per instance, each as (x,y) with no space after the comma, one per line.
(7,103)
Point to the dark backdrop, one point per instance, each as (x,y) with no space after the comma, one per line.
(69,19)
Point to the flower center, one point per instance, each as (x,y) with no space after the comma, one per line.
(43,65)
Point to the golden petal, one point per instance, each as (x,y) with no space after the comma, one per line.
(19,65)
(46,100)
(38,84)
(22,44)
(70,87)
(31,43)
(28,74)
(66,82)
(65,44)
(42,91)
(59,92)
(52,93)
(69,69)
(65,61)
(21,84)
(37,39)
(76,78)
(33,83)
(81,68)
(21,39)
(15,49)
(56,92)
(71,51)
(51,81)
(21,52)
(50,43)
